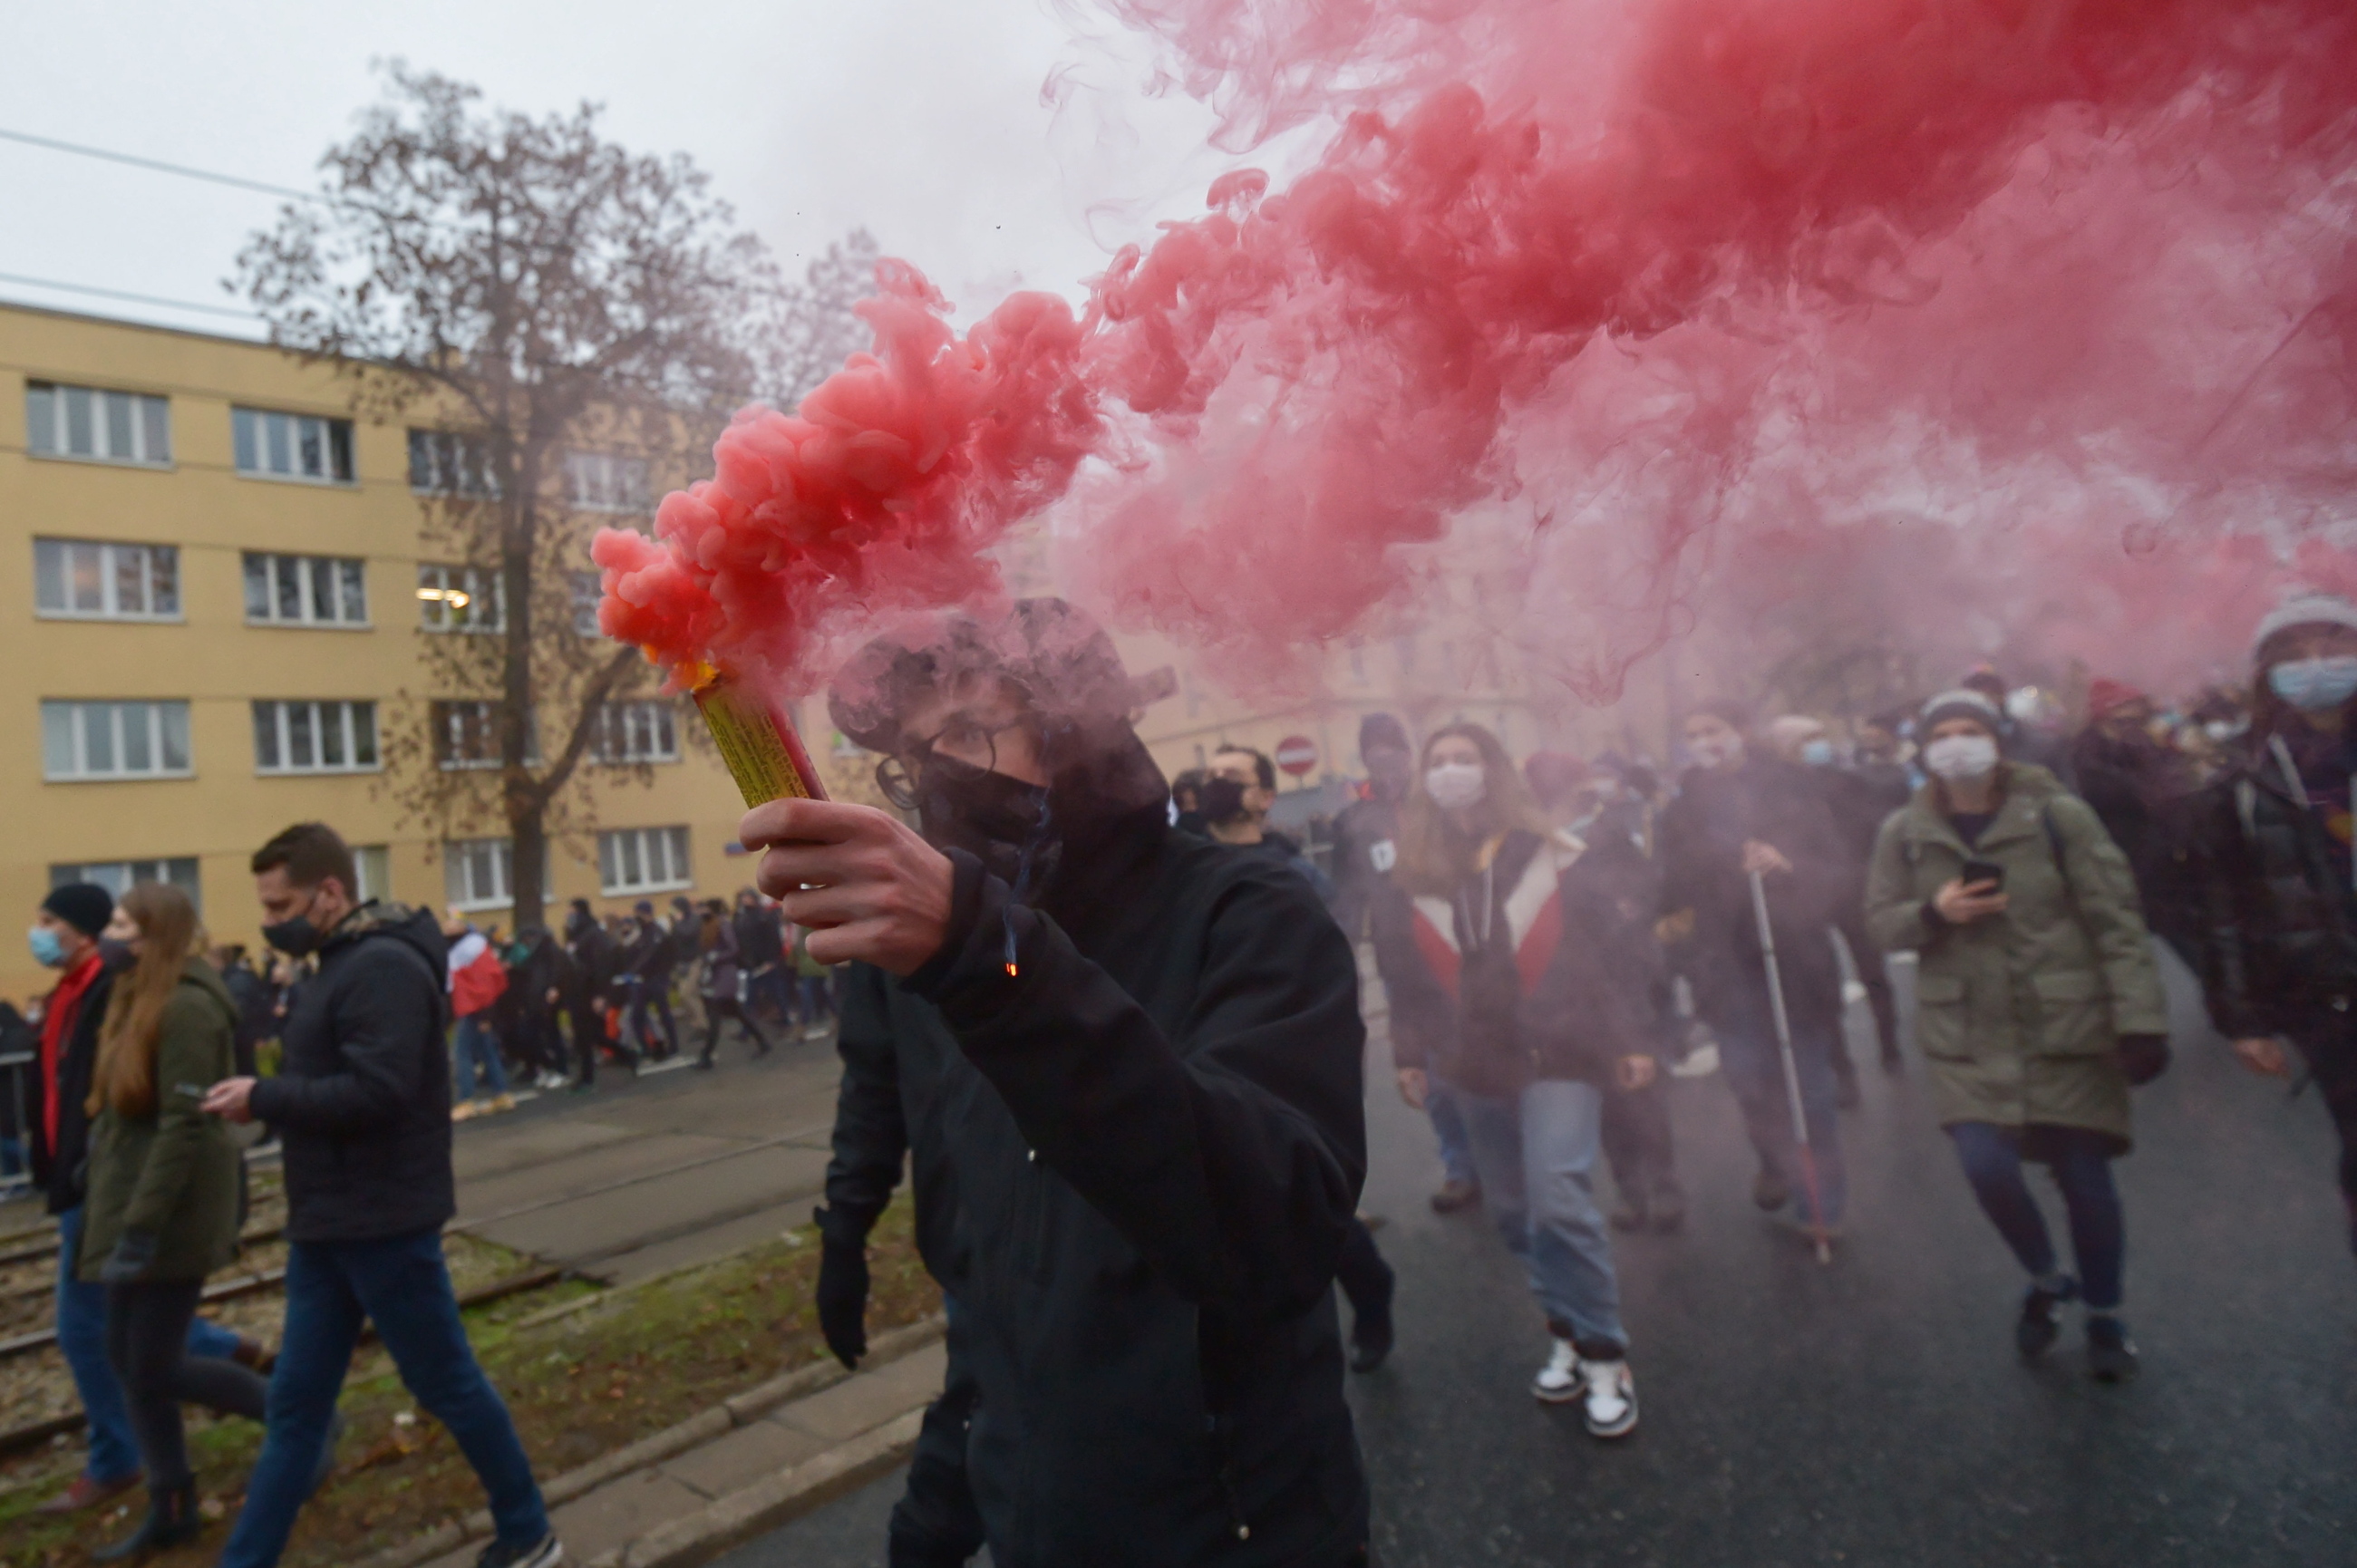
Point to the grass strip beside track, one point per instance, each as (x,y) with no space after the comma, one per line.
(579,1386)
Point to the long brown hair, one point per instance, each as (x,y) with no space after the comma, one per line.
(1435,857)
(126,1074)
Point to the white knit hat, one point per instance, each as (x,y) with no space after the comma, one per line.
(2304,609)
(1963,702)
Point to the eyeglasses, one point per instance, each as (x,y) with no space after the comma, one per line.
(964,739)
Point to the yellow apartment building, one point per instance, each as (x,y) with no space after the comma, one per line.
(215,602)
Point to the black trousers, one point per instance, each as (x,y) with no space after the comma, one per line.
(936,1524)
(1636,1136)
(1363,1275)
(147,1345)
(716,1009)
(653,992)
(2329,1045)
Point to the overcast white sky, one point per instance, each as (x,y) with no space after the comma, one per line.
(921,119)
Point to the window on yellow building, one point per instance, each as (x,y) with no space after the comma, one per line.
(461,598)
(87,579)
(115,740)
(636,731)
(104,426)
(643,860)
(119,877)
(306,737)
(605,481)
(304,448)
(445,463)
(305,590)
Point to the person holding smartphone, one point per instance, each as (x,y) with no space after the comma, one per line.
(2039,1003)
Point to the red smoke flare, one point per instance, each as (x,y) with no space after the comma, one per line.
(1656,272)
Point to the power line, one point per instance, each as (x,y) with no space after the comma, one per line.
(122,294)
(160,167)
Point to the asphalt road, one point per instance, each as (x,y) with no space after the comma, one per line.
(1872,1412)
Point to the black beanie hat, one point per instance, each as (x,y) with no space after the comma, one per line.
(1379,730)
(84,905)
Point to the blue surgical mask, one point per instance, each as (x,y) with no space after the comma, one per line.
(2316,686)
(1817,753)
(48,947)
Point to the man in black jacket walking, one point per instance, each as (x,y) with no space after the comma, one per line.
(1126,1063)
(362,1105)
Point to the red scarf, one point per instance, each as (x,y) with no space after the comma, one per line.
(57,1029)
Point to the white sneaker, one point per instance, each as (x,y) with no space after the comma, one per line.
(1612,1398)
(1701,1062)
(1559,1380)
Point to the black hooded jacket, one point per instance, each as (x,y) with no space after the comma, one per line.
(1135,1159)
(363,1098)
(1702,834)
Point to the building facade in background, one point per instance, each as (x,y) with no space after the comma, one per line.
(215,620)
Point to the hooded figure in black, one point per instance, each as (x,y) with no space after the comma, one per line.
(1126,1063)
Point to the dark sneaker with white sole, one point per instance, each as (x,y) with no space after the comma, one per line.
(543,1554)
(2041,1319)
(2111,1354)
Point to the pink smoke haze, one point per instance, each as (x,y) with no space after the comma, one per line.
(1628,311)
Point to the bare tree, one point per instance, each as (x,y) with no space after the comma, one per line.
(819,329)
(565,325)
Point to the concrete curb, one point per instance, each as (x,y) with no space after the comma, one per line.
(738,1410)
(765,1505)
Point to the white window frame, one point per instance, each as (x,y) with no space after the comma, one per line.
(118,876)
(468,863)
(641,730)
(278,722)
(438,613)
(374,861)
(452,463)
(608,482)
(68,725)
(588,593)
(55,560)
(128,429)
(643,860)
(454,717)
(273,574)
(259,437)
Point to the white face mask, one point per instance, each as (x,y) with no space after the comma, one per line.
(1961,757)
(1454,786)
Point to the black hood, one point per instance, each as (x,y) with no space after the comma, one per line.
(374,921)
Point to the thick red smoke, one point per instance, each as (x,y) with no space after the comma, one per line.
(1605,299)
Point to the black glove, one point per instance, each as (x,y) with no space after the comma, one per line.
(2143,1058)
(132,1257)
(843,1283)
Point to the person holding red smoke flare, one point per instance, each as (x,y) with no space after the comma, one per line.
(1126,1064)
(2269,843)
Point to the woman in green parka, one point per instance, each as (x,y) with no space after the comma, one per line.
(2039,1003)
(163,1207)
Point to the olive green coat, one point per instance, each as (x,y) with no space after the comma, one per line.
(2019,1013)
(174,1172)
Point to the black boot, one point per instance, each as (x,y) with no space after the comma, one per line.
(172,1519)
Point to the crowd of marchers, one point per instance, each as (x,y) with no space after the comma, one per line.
(1110,1028)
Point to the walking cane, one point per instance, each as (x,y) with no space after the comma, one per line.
(1792,1070)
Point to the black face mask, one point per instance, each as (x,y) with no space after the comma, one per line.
(113,955)
(990,815)
(296,937)
(1221,800)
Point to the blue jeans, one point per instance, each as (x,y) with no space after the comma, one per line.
(401,1285)
(479,1050)
(2082,1162)
(1536,1156)
(1754,1069)
(818,998)
(1440,1104)
(82,1335)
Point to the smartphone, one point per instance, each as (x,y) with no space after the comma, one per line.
(1979,871)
